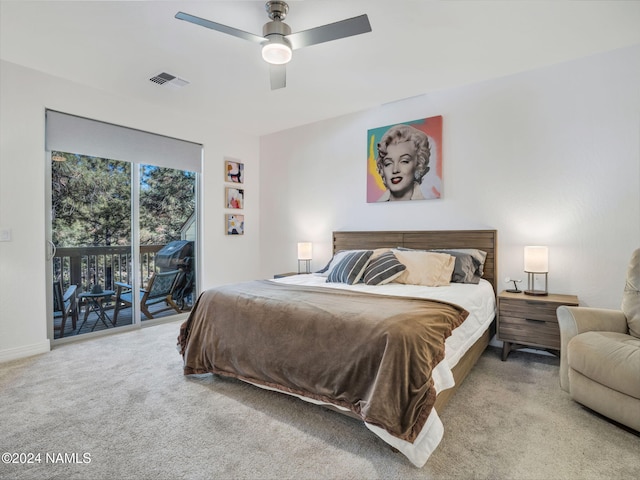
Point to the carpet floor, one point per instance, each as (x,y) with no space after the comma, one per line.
(118,407)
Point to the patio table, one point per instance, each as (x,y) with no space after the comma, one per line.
(94,304)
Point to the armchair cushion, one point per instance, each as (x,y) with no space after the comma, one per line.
(631,296)
(575,320)
(609,358)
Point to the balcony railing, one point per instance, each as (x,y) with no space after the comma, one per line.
(89,266)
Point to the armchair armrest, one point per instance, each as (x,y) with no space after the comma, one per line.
(122,287)
(70,293)
(70,299)
(575,320)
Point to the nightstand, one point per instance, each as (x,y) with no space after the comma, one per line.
(288,274)
(531,321)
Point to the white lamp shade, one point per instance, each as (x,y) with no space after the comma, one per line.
(305,251)
(536,259)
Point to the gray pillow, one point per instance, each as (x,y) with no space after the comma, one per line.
(631,295)
(383,269)
(467,268)
(326,270)
(351,268)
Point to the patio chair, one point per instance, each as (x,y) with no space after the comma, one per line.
(158,290)
(64,306)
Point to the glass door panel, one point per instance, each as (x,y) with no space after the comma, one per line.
(167,240)
(92,236)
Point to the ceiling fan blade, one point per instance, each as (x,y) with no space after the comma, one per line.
(219,27)
(331,31)
(278,74)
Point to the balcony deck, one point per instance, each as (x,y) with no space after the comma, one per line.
(93,323)
(88,266)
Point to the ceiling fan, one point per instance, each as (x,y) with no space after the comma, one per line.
(277,40)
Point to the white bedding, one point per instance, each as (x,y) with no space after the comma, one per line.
(478,300)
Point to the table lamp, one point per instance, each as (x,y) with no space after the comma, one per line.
(305,250)
(536,262)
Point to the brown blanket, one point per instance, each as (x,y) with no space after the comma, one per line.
(372,354)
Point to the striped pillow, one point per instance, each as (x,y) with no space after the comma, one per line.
(383,269)
(350,269)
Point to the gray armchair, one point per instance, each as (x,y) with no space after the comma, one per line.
(600,354)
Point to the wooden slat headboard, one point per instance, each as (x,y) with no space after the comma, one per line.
(486,240)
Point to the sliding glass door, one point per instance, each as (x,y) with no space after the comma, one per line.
(91,233)
(123,233)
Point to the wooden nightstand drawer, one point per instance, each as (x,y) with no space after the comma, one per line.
(535,310)
(531,331)
(530,321)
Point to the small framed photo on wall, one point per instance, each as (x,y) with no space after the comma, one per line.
(234,171)
(234,197)
(234,224)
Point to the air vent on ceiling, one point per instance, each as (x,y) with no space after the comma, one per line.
(165,78)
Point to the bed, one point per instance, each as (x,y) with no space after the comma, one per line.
(390,353)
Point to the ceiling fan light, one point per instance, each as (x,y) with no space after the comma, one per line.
(276,52)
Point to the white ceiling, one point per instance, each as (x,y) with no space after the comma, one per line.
(415,47)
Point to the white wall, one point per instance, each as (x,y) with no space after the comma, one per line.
(24,95)
(547,157)
(550,157)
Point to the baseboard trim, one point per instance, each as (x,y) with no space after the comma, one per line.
(25,351)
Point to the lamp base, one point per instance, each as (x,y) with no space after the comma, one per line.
(537,293)
(531,290)
(304,266)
